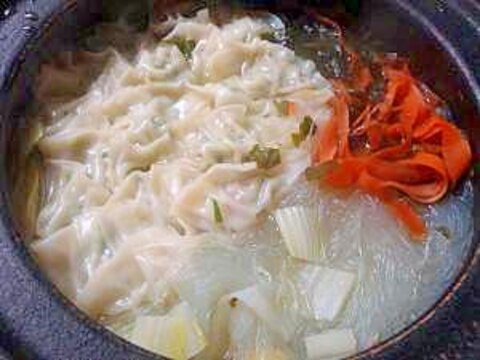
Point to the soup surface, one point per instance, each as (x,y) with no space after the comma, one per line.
(176,211)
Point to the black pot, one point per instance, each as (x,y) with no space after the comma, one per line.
(440,37)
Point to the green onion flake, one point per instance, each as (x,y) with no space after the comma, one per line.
(296,139)
(265,157)
(306,126)
(282,107)
(304,130)
(185,46)
(268,36)
(217,212)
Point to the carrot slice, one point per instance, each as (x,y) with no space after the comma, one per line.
(422,178)
(455,149)
(407,215)
(456,152)
(410,153)
(331,137)
(346,173)
(400,208)
(292,108)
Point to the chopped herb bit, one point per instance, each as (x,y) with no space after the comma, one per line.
(296,139)
(177,226)
(266,158)
(306,128)
(140,168)
(185,46)
(217,212)
(268,36)
(282,107)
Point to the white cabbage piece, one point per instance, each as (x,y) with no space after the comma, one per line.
(200,280)
(176,335)
(239,334)
(219,331)
(326,290)
(302,232)
(262,302)
(333,344)
(251,339)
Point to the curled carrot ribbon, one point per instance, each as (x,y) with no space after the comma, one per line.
(409,151)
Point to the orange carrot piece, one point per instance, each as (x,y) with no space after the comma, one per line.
(375,136)
(331,138)
(325,142)
(292,108)
(364,78)
(362,121)
(456,151)
(346,173)
(400,208)
(422,178)
(409,217)
(411,151)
